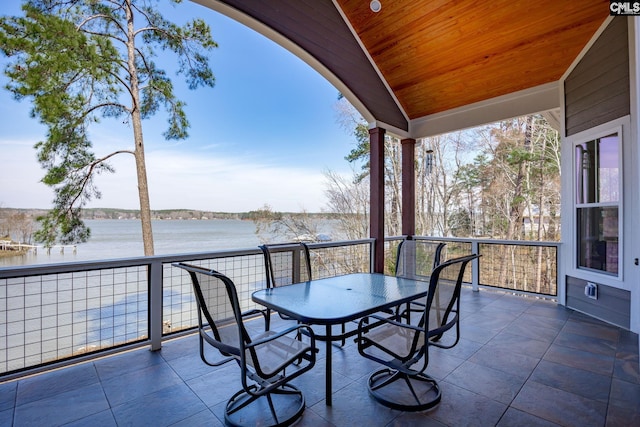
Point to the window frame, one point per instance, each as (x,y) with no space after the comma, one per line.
(584,138)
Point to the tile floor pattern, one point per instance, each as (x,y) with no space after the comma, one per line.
(522,361)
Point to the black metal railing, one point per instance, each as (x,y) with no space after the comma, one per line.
(61,313)
(51,314)
(516,265)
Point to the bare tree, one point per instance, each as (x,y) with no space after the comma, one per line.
(349,199)
(271,225)
(18,226)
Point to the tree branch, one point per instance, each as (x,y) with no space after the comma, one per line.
(106,104)
(99,16)
(87,177)
(106,35)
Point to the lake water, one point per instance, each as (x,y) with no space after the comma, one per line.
(112,239)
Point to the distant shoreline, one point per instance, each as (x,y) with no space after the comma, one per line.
(161,214)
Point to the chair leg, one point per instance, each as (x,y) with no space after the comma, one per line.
(413,391)
(286,410)
(273,410)
(392,376)
(404,392)
(235,404)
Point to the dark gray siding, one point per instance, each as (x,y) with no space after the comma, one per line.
(330,41)
(597,90)
(613,305)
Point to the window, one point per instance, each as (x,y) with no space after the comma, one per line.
(598,186)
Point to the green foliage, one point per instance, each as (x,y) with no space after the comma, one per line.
(362,151)
(514,179)
(518,176)
(80,60)
(460,222)
(469,176)
(62,226)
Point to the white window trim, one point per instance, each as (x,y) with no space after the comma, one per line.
(621,127)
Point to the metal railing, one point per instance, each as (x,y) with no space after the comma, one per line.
(53,314)
(522,266)
(61,313)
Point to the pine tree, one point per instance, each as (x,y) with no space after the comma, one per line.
(79,61)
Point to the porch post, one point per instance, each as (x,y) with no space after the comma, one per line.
(408,186)
(376,196)
(155,305)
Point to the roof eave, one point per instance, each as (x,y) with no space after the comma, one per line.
(528,101)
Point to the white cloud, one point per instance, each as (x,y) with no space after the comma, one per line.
(201,180)
(197,179)
(20,176)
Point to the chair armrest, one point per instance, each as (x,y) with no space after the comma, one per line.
(381,320)
(283,333)
(271,353)
(393,341)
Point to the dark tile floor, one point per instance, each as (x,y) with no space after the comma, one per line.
(521,362)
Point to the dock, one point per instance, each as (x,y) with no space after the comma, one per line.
(8,245)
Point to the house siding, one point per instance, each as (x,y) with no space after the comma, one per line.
(613,305)
(597,89)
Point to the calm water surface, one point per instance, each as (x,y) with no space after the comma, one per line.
(111,239)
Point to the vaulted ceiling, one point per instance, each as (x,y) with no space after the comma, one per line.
(419,58)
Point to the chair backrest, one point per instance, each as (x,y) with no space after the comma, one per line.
(417,258)
(443,300)
(217,301)
(286,263)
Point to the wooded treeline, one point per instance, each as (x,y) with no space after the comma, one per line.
(497,181)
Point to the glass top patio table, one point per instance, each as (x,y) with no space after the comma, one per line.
(335,300)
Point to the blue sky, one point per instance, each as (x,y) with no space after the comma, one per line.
(263,135)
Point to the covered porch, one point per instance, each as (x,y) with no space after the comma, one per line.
(420,69)
(522,361)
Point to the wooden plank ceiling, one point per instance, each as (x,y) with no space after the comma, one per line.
(436,55)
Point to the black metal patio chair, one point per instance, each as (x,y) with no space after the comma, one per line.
(286,264)
(416,259)
(268,360)
(404,347)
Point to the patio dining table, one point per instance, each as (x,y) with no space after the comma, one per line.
(336,300)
